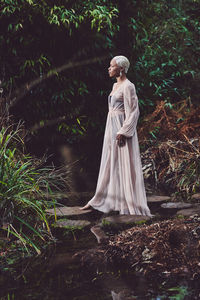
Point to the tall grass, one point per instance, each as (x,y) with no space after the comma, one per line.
(24,191)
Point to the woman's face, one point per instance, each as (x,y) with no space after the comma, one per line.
(114,69)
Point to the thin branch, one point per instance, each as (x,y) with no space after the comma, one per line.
(21,92)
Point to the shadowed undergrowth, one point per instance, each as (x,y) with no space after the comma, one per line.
(26,186)
(170,139)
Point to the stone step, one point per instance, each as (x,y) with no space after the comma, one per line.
(100,235)
(124,220)
(157,199)
(196,196)
(71,224)
(176,205)
(189,212)
(67,211)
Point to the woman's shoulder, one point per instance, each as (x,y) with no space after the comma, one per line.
(129,85)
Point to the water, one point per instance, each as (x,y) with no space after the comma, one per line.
(55,276)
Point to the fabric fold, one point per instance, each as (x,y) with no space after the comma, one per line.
(120,185)
(131,111)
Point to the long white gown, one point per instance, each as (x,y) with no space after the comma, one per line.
(120,185)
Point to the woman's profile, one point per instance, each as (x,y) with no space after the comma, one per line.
(120,185)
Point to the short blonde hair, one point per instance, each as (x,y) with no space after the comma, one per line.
(122,61)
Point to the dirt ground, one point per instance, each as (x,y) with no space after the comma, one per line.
(170,247)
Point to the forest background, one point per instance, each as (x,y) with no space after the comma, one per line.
(54,60)
(54,80)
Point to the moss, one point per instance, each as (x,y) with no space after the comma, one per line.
(180,217)
(105,223)
(139,222)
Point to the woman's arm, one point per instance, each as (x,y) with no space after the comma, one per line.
(131,112)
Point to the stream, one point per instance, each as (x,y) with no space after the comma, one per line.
(55,275)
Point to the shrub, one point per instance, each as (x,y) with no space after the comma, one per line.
(24,191)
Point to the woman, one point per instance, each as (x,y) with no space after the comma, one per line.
(120,185)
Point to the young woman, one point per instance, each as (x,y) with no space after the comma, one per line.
(120,185)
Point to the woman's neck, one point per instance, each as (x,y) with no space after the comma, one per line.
(120,79)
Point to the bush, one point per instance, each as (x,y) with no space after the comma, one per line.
(24,190)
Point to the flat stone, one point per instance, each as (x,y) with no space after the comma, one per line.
(67,211)
(123,295)
(125,219)
(157,199)
(189,212)
(196,196)
(79,224)
(176,205)
(99,234)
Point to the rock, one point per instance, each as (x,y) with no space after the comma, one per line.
(196,196)
(73,196)
(5,225)
(67,211)
(176,205)
(157,199)
(124,220)
(75,224)
(189,212)
(123,295)
(99,234)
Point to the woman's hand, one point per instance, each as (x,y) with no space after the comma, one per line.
(121,140)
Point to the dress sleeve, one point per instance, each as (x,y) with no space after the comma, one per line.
(131,111)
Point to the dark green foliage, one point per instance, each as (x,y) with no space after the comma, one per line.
(166,43)
(164,47)
(38,36)
(161,38)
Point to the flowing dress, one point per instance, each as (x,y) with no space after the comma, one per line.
(120,185)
